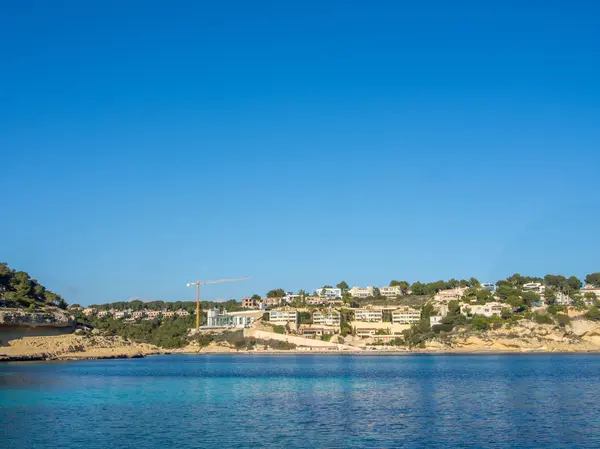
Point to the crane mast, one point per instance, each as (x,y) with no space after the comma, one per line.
(198,284)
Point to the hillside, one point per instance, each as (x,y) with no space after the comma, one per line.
(19,290)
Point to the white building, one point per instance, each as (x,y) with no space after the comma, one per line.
(284,317)
(488,286)
(290,297)
(453,294)
(359,292)
(536,287)
(434,320)
(488,310)
(332,318)
(587,289)
(370,315)
(215,319)
(563,299)
(329,293)
(103,313)
(406,315)
(390,291)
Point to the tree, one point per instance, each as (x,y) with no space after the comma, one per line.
(593,314)
(515,301)
(530,298)
(418,288)
(474,283)
(453,283)
(376,292)
(404,286)
(277,293)
(480,323)
(572,284)
(593,279)
(255,297)
(555,280)
(343,286)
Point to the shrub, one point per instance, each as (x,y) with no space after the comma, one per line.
(562,319)
(480,323)
(593,314)
(444,327)
(542,319)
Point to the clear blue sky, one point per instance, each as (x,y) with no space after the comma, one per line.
(147,144)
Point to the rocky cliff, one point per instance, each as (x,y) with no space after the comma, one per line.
(49,317)
(73,346)
(51,334)
(524,336)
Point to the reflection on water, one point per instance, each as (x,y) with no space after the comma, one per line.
(304,401)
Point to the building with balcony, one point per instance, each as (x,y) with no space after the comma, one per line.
(360,292)
(215,319)
(390,291)
(369,315)
(329,293)
(283,317)
(332,318)
(406,315)
(489,309)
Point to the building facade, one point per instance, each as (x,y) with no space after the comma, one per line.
(327,318)
(369,315)
(489,309)
(215,319)
(283,317)
(390,291)
(329,293)
(360,292)
(406,315)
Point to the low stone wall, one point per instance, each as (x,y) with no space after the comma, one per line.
(300,341)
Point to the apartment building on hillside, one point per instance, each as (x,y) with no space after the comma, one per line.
(329,293)
(406,315)
(390,291)
(536,287)
(332,318)
(360,292)
(487,310)
(283,317)
(370,315)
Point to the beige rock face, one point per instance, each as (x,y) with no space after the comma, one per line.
(526,336)
(73,347)
(50,317)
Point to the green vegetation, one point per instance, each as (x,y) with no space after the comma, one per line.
(593,279)
(17,289)
(231,306)
(305,318)
(277,293)
(238,341)
(593,314)
(166,333)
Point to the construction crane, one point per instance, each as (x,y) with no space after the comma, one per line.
(198,284)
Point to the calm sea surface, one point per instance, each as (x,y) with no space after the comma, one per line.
(304,401)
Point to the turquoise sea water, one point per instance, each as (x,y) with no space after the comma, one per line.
(303,401)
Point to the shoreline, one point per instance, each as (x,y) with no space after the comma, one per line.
(73,358)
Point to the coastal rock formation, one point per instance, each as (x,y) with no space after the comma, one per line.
(73,346)
(525,336)
(49,317)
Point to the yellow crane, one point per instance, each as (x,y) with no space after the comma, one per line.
(198,284)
